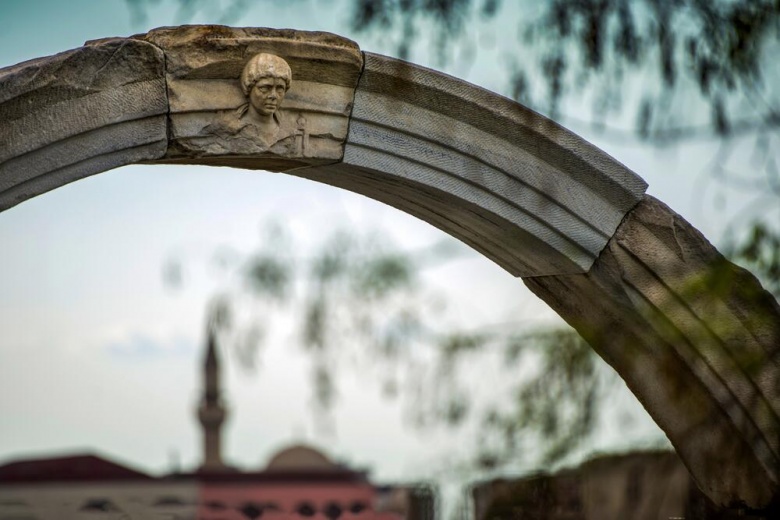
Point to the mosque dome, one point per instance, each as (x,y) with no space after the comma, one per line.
(300,458)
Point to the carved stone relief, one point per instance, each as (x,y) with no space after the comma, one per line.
(259,125)
(263,125)
(259,99)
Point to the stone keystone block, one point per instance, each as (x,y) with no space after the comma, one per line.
(225,109)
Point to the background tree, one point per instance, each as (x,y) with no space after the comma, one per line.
(680,70)
(359,303)
(659,71)
(685,69)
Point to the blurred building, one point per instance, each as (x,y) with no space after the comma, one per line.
(649,485)
(298,482)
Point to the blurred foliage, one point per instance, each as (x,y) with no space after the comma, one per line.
(687,69)
(758,250)
(555,391)
(361,304)
(722,48)
(352,292)
(224,12)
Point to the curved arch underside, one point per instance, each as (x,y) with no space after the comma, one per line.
(695,337)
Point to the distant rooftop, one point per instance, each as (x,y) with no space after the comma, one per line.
(70,468)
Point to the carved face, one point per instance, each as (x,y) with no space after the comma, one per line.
(267,95)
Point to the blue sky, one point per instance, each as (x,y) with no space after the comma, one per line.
(97,353)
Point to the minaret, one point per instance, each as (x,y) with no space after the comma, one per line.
(211,412)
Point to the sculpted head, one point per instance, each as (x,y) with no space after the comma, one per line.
(266,78)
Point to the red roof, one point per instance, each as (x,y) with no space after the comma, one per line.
(73,468)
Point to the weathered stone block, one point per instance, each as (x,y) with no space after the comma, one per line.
(697,340)
(210,114)
(99,106)
(548,200)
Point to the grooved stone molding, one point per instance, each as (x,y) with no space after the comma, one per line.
(519,181)
(78,113)
(696,338)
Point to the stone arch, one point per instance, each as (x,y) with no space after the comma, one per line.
(695,337)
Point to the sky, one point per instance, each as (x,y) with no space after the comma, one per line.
(98,354)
